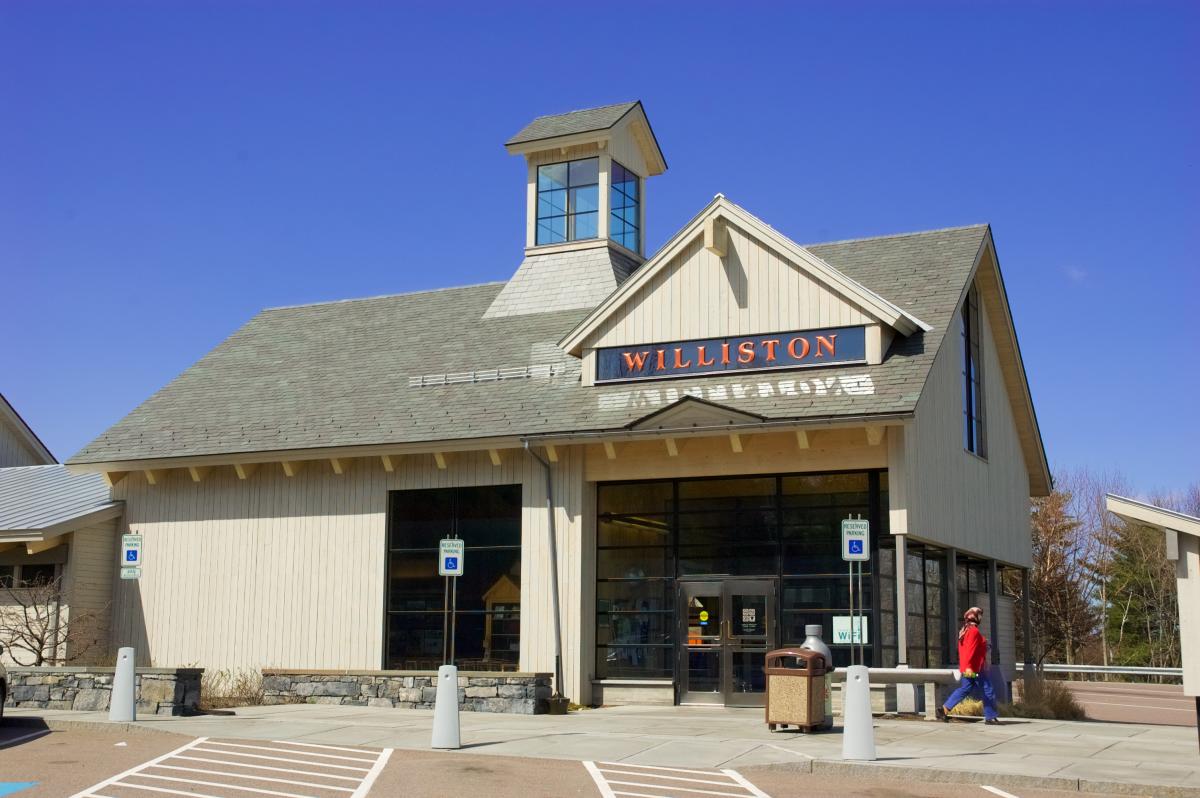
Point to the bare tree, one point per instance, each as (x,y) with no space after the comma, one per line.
(37,628)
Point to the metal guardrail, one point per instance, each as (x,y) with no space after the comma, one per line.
(1113,670)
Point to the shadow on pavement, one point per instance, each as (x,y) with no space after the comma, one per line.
(14,731)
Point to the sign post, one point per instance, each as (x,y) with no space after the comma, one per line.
(446,733)
(858,735)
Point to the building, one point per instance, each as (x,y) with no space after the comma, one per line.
(56,529)
(698,423)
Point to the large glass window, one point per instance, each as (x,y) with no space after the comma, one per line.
(925,585)
(568,201)
(624,224)
(974,432)
(488,614)
(650,534)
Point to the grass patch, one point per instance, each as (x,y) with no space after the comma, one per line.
(230,687)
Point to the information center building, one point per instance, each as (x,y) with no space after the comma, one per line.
(691,427)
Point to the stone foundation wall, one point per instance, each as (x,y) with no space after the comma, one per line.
(518,693)
(160,691)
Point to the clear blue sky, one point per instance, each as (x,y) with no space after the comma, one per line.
(167,169)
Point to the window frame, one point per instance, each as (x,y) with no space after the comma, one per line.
(636,205)
(974,427)
(568,215)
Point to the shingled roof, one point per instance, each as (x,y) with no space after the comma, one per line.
(427,367)
(572,122)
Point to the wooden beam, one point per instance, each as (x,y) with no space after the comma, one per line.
(672,449)
(7,546)
(340,465)
(199,472)
(610,450)
(715,237)
(38,546)
(875,435)
(440,459)
(735,442)
(245,470)
(494,454)
(113,477)
(551,453)
(155,476)
(292,467)
(802,439)
(389,461)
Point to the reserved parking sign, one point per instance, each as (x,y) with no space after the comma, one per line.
(856,540)
(450,557)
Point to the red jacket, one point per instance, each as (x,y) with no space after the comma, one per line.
(972,650)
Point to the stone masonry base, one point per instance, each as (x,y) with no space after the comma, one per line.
(518,693)
(160,691)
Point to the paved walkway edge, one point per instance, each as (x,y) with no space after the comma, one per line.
(834,767)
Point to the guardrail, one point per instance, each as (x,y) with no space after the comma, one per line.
(1111,670)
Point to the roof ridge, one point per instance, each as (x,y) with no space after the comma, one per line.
(26,467)
(896,235)
(581,110)
(384,296)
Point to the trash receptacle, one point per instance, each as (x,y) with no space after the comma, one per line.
(795,688)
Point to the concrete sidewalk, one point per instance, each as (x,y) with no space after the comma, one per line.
(1097,757)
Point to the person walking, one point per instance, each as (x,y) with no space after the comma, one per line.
(972,661)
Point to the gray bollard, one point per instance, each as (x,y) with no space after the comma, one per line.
(858,732)
(123,704)
(445,709)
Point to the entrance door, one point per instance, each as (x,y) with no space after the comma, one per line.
(726,628)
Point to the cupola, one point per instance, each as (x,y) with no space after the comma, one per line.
(585,207)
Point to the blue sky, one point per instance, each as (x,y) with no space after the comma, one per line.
(167,169)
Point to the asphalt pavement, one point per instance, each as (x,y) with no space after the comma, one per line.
(1162,704)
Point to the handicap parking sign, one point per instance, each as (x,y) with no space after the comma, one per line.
(450,557)
(451,564)
(856,546)
(856,534)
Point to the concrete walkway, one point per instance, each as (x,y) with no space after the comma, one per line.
(1059,755)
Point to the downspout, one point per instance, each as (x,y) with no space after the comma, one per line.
(558,673)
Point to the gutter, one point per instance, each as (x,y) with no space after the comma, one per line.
(558,697)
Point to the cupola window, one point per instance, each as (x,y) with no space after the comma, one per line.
(625,224)
(568,206)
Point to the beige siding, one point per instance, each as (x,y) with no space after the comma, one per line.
(14,451)
(1187,581)
(752,290)
(955,498)
(88,585)
(289,572)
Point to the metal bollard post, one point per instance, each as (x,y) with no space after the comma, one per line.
(858,732)
(122,706)
(445,709)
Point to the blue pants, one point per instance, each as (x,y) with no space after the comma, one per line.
(967,687)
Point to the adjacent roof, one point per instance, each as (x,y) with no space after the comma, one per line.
(347,374)
(11,418)
(586,120)
(37,502)
(1151,515)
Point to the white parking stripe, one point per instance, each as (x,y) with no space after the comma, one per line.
(668,786)
(255,778)
(657,767)
(189,776)
(23,738)
(601,784)
(742,780)
(292,751)
(672,787)
(671,778)
(293,771)
(997,791)
(314,745)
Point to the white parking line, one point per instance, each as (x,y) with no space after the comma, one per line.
(668,781)
(997,791)
(228,779)
(23,738)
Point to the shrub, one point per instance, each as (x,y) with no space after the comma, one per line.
(231,687)
(1045,698)
(968,707)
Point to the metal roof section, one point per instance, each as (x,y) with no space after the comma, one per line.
(40,502)
(10,417)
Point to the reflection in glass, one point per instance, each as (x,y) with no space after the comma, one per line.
(748,676)
(704,670)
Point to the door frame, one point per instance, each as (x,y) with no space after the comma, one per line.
(725,643)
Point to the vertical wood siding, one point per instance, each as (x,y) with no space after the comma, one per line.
(14,451)
(955,498)
(755,290)
(88,584)
(290,572)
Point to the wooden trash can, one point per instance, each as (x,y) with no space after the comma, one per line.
(795,688)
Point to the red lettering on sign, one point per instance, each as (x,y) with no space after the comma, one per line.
(700,361)
(746,352)
(679,364)
(724,354)
(635,361)
(826,342)
(803,353)
(661,364)
(770,344)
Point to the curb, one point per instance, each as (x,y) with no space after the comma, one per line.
(905,773)
(63,724)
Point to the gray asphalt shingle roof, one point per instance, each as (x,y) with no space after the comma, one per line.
(338,374)
(582,121)
(34,498)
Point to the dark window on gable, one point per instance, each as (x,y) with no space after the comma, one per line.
(974,431)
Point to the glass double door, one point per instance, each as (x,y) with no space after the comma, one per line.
(726,628)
